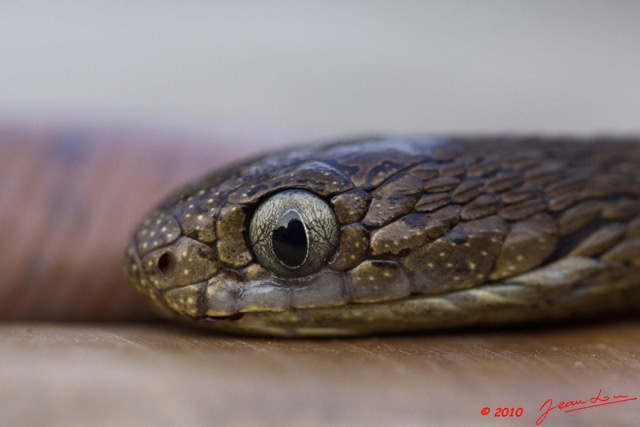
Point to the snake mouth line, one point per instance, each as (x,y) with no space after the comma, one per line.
(232,317)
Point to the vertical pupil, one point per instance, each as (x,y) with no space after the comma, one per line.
(290,240)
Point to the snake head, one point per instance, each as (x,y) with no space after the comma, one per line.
(385,235)
(277,234)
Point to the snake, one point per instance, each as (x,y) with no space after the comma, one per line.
(383,235)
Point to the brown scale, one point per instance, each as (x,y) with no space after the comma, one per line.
(519,195)
(413,230)
(633,229)
(467,190)
(605,185)
(187,299)
(445,152)
(352,249)
(322,179)
(571,188)
(158,230)
(484,205)
(351,206)
(600,240)
(523,210)
(393,199)
(432,201)
(575,182)
(440,184)
(231,246)
(197,215)
(547,172)
(579,216)
(566,200)
(368,281)
(462,258)
(455,168)
(426,171)
(483,168)
(621,210)
(368,168)
(528,244)
(503,181)
(625,252)
(132,270)
(524,159)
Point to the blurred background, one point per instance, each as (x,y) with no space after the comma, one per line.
(323,69)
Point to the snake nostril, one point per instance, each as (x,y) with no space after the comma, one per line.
(167,264)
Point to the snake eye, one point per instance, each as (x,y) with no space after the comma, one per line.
(293,233)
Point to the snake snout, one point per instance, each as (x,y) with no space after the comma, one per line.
(184,262)
(174,276)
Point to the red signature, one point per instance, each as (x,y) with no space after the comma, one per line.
(578,405)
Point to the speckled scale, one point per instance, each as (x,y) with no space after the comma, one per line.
(351,206)
(187,299)
(230,227)
(392,199)
(197,215)
(461,259)
(158,230)
(413,230)
(527,245)
(352,249)
(368,282)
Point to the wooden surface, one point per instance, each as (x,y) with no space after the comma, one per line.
(62,375)
(68,200)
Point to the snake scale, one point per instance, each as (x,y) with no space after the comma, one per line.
(383,235)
